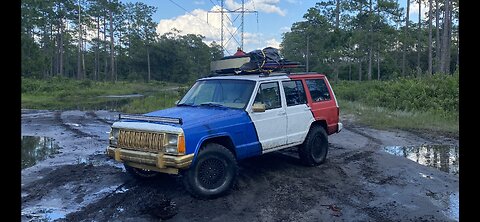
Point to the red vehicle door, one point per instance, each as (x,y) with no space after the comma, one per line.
(322,101)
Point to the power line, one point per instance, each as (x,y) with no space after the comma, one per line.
(199,20)
(213,3)
(222,26)
(242,12)
(180,7)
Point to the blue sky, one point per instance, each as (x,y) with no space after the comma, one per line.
(274,18)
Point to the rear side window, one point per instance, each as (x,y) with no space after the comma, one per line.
(318,90)
(294,92)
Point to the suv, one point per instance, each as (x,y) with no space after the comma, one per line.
(224,119)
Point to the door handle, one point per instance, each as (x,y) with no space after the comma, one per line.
(281,113)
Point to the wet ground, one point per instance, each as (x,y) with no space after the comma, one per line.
(370,175)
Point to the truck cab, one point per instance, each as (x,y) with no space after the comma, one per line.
(224,119)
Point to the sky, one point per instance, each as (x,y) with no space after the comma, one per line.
(274,18)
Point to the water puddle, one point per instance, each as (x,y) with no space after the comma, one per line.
(453,206)
(35,148)
(122,96)
(443,157)
(44,214)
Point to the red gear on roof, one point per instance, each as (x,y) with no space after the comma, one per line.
(239,52)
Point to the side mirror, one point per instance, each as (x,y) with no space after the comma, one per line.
(176,101)
(258,107)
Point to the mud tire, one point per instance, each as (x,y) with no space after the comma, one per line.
(140,174)
(212,174)
(314,149)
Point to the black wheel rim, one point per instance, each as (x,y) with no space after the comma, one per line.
(211,173)
(318,151)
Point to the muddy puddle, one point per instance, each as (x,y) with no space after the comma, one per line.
(442,157)
(35,148)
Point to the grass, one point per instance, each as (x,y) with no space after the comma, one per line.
(428,103)
(384,118)
(68,94)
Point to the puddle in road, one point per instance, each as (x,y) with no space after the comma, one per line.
(35,148)
(44,214)
(443,157)
(448,201)
(123,96)
(453,206)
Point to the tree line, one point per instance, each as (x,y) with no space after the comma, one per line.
(367,39)
(107,40)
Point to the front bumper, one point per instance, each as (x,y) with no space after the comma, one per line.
(151,161)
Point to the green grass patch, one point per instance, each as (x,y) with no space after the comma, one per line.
(151,103)
(427,103)
(67,94)
(384,118)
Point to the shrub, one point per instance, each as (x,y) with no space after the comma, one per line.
(434,93)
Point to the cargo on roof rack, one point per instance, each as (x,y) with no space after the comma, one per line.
(263,61)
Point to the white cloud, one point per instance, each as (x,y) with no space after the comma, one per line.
(285,29)
(273,43)
(414,11)
(268,6)
(195,22)
(252,38)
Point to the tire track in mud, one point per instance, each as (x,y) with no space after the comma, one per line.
(77,174)
(96,117)
(135,200)
(363,157)
(372,140)
(247,189)
(59,120)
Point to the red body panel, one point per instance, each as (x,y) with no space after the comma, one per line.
(322,110)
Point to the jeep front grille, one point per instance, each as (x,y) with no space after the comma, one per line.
(142,141)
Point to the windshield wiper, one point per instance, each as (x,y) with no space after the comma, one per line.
(185,104)
(211,104)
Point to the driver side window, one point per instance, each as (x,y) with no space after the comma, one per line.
(269,94)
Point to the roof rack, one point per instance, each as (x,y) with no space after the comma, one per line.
(263,74)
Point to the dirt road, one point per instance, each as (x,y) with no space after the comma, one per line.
(358,182)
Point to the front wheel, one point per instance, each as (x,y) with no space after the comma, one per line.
(213,172)
(314,149)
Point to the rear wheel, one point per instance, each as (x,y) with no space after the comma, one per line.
(140,173)
(314,149)
(213,172)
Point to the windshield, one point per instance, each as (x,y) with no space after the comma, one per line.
(219,92)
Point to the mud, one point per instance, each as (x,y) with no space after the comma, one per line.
(358,182)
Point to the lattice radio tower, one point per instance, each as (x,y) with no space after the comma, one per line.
(240,11)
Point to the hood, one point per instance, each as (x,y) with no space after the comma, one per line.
(192,116)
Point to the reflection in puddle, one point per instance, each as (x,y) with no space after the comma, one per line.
(35,148)
(448,201)
(443,157)
(453,206)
